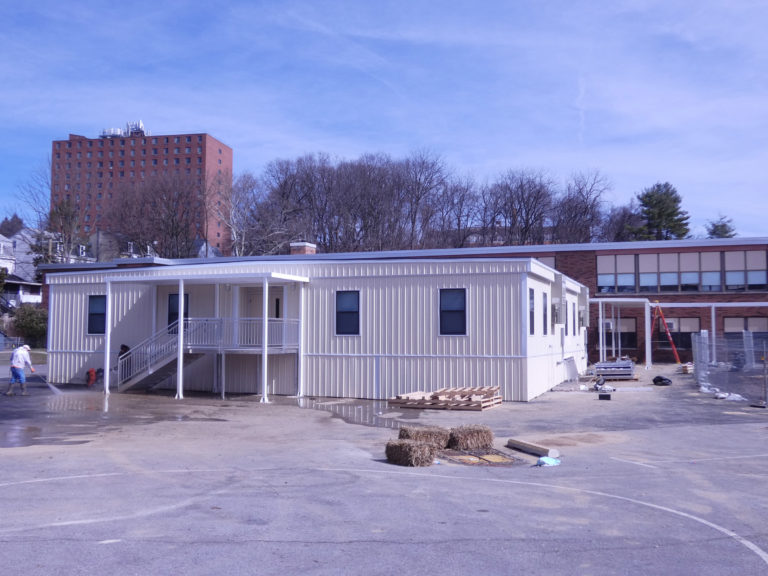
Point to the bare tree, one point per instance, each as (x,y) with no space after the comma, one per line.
(54,234)
(621,224)
(457,214)
(577,214)
(424,175)
(519,202)
(163,214)
(236,211)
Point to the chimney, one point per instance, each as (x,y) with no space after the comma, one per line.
(303,248)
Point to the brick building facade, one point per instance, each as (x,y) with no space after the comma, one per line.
(90,172)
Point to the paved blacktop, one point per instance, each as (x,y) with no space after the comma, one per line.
(657,480)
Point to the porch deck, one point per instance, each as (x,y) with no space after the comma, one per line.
(201,335)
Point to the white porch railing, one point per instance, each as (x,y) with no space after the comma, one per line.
(241,333)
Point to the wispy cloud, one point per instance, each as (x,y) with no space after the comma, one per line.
(641,90)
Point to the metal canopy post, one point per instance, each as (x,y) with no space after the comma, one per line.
(264,338)
(223,374)
(107,335)
(180,345)
(600,335)
(648,351)
(714,335)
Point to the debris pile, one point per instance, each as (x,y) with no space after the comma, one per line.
(419,445)
(411,452)
(478,398)
(471,437)
(430,434)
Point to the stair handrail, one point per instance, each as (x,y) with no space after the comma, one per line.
(161,346)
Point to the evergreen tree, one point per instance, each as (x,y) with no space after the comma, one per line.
(720,228)
(661,212)
(9,226)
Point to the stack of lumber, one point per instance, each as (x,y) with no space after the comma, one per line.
(478,398)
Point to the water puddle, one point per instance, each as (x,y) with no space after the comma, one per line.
(373,413)
(69,417)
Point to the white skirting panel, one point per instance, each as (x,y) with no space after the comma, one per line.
(377,377)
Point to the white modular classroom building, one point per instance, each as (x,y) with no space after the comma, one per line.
(320,325)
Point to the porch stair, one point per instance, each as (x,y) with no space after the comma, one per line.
(149,379)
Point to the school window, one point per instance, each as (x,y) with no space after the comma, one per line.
(97,314)
(544,309)
(453,311)
(173,308)
(348,312)
(573,308)
(737,325)
(680,329)
(531,312)
(621,332)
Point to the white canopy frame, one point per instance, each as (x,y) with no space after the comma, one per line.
(648,305)
(216,279)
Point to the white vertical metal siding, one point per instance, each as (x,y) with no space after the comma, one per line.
(399,347)
(71,350)
(243,374)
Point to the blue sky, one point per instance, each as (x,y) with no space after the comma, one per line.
(643,91)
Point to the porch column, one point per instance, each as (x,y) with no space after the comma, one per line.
(300,368)
(264,337)
(714,335)
(180,345)
(223,374)
(107,335)
(648,351)
(600,335)
(218,335)
(236,316)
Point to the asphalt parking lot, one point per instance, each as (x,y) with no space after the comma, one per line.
(658,480)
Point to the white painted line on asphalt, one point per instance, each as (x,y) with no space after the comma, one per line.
(108,474)
(717,459)
(633,462)
(110,541)
(59,478)
(762,554)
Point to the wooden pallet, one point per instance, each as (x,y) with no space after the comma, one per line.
(478,398)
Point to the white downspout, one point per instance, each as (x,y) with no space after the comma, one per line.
(180,345)
(264,337)
(107,336)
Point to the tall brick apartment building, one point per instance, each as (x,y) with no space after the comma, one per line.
(91,171)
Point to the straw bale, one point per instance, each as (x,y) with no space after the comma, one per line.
(429,434)
(471,437)
(410,452)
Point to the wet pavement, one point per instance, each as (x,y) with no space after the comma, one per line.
(657,480)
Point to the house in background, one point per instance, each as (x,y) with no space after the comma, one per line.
(353,325)
(18,288)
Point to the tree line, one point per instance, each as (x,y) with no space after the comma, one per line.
(375,202)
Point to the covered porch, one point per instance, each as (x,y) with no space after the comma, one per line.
(252,316)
